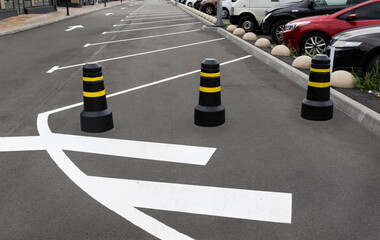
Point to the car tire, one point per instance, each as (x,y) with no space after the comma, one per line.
(225,13)
(248,23)
(209,9)
(276,29)
(190,4)
(314,43)
(372,63)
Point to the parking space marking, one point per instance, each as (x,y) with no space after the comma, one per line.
(55,68)
(139,19)
(143,29)
(159,15)
(138,38)
(154,14)
(142,23)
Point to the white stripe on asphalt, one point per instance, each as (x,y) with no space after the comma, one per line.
(132,39)
(142,23)
(160,15)
(55,68)
(154,15)
(140,19)
(142,29)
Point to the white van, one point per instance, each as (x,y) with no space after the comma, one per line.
(247,14)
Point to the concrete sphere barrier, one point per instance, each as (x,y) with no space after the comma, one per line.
(263,43)
(302,62)
(213,20)
(250,36)
(280,50)
(231,28)
(238,31)
(342,79)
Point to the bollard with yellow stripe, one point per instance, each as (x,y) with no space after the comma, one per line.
(96,117)
(317,105)
(209,112)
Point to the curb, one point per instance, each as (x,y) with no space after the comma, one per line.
(355,110)
(53,21)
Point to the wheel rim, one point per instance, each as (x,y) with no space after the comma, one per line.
(315,45)
(208,10)
(247,25)
(279,31)
(224,13)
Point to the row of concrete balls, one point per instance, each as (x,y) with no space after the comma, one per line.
(339,78)
(201,14)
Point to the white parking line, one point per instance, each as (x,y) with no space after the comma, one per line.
(142,29)
(156,15)
(55,68)
(132,39)
(139,19)
(142,23)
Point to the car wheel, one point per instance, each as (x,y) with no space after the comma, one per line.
(314,43)
(277,29)
(372,64)
(248,23)
(209,9)
(190,4)
(225,13)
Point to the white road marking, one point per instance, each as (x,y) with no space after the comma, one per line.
(143,29)
(73,27)
(123,8)
(107,14)
(139,38)
(139,19)
(157,15)
(123,195)
(55,68)
(142,23)
(154,13)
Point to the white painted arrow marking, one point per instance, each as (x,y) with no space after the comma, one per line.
(73,27)
(107,14)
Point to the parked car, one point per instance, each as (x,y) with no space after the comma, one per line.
(226,9)
(197,4)
(247,14)
(190,3)
(357,49)
(312,35)
(208,6)
(276,17)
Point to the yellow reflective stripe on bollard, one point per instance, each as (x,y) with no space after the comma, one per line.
(209,89)
(320,70)
(94,94)
(319,84)
(210,74)
(95,79)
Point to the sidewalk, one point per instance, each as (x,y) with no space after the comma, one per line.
(27,21)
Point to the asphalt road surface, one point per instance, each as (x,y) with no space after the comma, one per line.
(264,174)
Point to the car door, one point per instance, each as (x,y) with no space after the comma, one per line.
(362,16)
(324,7)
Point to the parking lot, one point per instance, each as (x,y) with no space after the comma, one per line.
(264,174)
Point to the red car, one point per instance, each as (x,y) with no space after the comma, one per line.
(313,34)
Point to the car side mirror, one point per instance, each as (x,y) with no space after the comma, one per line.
(351,17)
(311,4)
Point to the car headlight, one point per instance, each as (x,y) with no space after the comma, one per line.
(343,44)
(267,16)
(292,26)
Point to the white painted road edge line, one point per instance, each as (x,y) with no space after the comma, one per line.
(142,29)
(55,68)
(142,23)
(139,38)
(139,19)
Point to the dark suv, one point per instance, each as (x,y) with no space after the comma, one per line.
(276,17)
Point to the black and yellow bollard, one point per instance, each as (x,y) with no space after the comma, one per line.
(95,117)
(209,112)
(317,105)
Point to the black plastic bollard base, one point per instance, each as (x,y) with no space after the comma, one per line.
(317,111)
(209,116)
(96,122)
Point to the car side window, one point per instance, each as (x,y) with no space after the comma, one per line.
(329,2)
(367,12)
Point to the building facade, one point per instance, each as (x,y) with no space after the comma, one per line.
(9,8)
